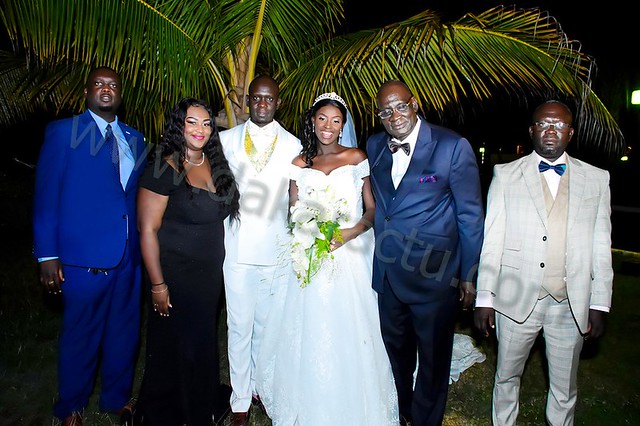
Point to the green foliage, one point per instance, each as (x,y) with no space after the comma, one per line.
(168,49)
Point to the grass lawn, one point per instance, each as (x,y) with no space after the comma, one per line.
(609,381)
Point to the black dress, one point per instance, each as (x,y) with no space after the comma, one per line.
(181,374)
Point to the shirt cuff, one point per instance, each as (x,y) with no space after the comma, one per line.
(599,308)
(44,259)
(484,299)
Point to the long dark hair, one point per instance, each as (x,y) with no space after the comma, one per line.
(308,136)
(172,144)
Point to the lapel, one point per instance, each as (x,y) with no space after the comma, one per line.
(381,171)
(281,143)
(531,176)
(242,152)
(577,181)
(421,158)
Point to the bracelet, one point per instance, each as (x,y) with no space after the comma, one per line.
(161,291)
(155,285)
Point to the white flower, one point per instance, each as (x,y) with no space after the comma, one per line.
(306,233)
(314,222)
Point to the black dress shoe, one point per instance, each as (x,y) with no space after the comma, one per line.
(404,421)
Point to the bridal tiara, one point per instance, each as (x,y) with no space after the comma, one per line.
(330,95)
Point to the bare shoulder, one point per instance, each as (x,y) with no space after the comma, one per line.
(299,161)
(355,155)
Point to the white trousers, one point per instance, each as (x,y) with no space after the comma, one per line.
(563,344)
(250,291)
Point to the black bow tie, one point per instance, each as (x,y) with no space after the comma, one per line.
(559,168)
(404,146)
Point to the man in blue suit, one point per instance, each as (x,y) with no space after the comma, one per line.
(429,228)
(86,243)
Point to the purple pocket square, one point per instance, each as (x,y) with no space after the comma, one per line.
(428,179)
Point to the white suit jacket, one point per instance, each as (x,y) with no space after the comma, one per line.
(514,248)
(262,233)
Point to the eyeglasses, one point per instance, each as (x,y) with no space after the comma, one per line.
(401,108)
(543,125)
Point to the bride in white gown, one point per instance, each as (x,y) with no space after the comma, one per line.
(323,361)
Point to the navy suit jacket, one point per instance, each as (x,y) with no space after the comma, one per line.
(429,231)
(81,213)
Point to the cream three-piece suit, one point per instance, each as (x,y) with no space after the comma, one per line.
(514,264)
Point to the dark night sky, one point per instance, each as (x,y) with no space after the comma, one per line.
(604,33)
(602,30)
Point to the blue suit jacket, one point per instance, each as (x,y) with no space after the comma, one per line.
(429,231)
(81,213)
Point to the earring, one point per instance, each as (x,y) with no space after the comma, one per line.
(340,135)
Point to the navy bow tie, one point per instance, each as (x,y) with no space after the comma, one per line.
(559,168)
(393,146)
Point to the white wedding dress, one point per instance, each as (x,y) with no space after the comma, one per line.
(322,360)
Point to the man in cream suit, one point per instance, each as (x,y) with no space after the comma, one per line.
(545,264)
(259,152)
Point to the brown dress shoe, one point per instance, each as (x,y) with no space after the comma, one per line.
(75,419)
(240,419)
(127,413)
(257,402)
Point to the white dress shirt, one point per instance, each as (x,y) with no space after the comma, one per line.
(400,159)
(550,175)
(262,137)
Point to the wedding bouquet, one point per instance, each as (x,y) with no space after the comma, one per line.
(314,223)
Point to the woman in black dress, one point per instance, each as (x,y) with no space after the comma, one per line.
(185,194)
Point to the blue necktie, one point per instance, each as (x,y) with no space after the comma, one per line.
(110,142)
(559,168)
(123,165)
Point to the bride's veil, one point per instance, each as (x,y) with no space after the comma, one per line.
(349,138)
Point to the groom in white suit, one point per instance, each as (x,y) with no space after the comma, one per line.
(545,264)
(259,152)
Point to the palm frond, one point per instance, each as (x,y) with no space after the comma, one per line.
(157,56)
(168,49)
(520,52)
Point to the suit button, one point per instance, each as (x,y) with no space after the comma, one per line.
(542,264)
(544,238)
(387,218)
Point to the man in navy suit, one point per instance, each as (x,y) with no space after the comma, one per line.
(86,243)
(429,228)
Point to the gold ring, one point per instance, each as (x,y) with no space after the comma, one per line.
(51,282)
